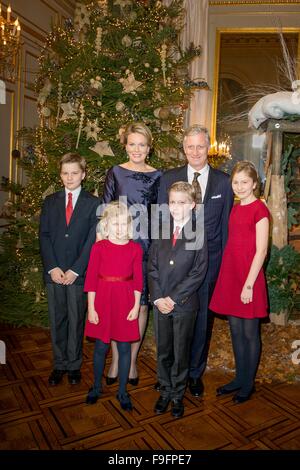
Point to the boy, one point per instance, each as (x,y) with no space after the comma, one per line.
(67,232)
(177,266)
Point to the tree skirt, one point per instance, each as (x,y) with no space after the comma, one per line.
(276,359)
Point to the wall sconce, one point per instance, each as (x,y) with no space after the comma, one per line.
(10,32)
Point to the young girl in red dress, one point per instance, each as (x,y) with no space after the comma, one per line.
(114,283)
(240,291)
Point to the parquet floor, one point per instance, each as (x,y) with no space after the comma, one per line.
(36,416)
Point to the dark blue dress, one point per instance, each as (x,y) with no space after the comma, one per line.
(141,190)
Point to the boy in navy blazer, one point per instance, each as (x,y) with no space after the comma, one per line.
(176,269)
(67,232)
(214,191)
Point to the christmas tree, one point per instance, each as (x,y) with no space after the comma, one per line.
(118,61)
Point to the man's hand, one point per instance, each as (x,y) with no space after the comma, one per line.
(57,276)
(163,305)
(69,278)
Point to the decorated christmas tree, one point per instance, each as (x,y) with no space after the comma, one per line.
(117,61)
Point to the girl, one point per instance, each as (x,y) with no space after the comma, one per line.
(138,181)
(114,284)
(240,291)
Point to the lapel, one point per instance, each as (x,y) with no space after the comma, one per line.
(61,206)
(78,208)
(210,185)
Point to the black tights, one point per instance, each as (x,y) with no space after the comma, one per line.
(100,351)
(245,337)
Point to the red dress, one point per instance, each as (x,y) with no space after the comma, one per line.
(237,258)
(114,273)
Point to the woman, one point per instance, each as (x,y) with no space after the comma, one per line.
(138,182)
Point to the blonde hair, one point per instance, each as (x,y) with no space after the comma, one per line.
(136,127)
(114,209)
(183,187)
(250,170)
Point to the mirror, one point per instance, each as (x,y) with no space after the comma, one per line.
(251,65)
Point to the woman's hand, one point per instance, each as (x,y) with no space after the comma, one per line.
(247,294)
(133,314)
(93,316)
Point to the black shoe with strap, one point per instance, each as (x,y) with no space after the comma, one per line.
(157,386)
(125,402)
(56,376)
(92,396)
(111,380)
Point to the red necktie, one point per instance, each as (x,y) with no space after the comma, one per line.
(175,235)
(69,208)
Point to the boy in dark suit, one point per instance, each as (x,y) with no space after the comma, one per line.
(214,194)
(176,268)
(67,232)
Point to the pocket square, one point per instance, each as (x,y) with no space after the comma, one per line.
(217,196)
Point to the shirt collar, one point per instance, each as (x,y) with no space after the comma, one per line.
(75,192)
(192,170)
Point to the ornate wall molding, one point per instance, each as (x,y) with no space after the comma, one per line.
(213,3)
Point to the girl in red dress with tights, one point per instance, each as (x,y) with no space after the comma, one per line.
(240,291)
(114,283)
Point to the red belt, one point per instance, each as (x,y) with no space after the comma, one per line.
(115,278)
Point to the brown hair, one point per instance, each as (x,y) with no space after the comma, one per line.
(136,127)
(183,187)
(73,158)
(250,170)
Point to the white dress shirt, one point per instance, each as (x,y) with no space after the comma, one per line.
(75,196)
(202,179)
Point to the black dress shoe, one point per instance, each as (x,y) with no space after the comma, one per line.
(177,408)
(225,391)
(134,381)
(157,386)
(161,405)
(56,376)
(125,402)
(237,399)
(196,387)
(111,380)
(92,397)
(74,377)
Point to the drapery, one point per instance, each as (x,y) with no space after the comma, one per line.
(196,31)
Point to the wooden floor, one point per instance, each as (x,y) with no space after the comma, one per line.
(36,416)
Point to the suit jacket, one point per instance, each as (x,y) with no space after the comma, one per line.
(176,272)
(67,246)
(218,201)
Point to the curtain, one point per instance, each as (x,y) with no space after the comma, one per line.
(196,31)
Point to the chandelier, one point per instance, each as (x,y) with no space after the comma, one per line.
(218,153)
(9,44)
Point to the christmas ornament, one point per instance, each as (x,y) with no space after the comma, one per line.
(102,147)
(126,41)
(130,84)
(69,111)
(92,129)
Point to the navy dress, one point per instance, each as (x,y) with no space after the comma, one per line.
(141,190)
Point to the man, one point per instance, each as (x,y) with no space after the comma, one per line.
(213,189)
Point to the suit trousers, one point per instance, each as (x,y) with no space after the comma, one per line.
(173,334)
(67,307)
(202,332)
